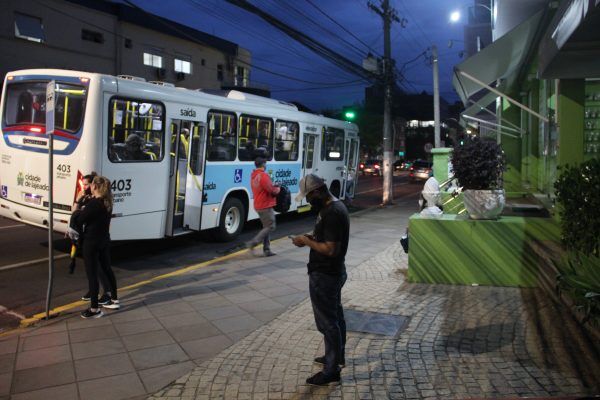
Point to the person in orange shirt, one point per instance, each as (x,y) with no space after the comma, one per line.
(264,193)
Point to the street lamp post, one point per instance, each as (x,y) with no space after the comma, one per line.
(436,97)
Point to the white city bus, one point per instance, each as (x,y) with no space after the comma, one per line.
(179,160)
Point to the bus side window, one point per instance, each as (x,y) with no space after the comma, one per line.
(333,140)
(255,138)
(221,137)
(136,131)
(286,141)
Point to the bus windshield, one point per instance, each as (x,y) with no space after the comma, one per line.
(26,105)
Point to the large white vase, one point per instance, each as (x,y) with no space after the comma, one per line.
(484,204)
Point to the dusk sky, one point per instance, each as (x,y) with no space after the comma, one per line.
(311,79)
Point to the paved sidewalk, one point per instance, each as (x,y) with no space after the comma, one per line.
(461,342)
(243,329)
(166,328)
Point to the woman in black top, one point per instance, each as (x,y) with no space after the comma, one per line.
(95,216)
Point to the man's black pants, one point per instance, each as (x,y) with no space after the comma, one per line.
(326,298)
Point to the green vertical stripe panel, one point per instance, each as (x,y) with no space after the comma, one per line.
(456,250)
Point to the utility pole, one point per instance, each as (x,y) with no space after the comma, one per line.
(388,15)
(436,97)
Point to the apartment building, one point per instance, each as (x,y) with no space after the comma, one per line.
(114,38)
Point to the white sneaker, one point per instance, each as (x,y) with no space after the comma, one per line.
(112,304)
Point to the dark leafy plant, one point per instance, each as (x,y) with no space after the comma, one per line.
(579,277)
(578,196)
(478,164)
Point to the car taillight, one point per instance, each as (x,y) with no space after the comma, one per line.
(362,165)
(377,166)
(411,169)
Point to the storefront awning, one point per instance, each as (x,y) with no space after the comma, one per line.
(500,60)
(478,114)
(570,48)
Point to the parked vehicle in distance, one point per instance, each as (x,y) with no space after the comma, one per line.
(402,165)
(420,170)
(371,167)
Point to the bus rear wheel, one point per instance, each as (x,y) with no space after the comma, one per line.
(231,221)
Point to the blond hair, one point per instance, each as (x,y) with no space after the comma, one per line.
(103,187)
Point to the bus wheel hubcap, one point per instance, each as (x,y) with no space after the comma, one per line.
(232,220)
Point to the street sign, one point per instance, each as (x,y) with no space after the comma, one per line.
(50,88)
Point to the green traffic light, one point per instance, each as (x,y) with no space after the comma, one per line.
(349,115)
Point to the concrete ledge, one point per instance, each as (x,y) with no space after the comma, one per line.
(457,250)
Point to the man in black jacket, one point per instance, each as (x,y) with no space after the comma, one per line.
(327,273)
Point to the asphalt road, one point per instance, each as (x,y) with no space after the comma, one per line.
(24,252)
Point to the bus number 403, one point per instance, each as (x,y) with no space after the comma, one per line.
(119,185)
(63,168)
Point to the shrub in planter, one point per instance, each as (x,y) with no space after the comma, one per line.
(478,166)
(578,198)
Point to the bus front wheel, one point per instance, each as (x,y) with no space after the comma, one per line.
(231,221)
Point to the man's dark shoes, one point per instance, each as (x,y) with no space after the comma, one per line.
(86,296)
(269,253)
(320,379)
(321,360)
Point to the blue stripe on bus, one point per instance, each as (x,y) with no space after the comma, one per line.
(220,178)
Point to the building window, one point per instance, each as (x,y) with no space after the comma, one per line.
(153,60)
(241,76)
(92,36)
(203,62)
(29,28)
(136,131)
(220,72)
(286,141)
(255,138)
(183,66)
(128,43)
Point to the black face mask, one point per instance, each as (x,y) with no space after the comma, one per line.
(317,203)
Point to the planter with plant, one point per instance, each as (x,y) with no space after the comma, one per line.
(478,166)
(578,200)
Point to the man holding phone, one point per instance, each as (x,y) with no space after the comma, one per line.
(327,273)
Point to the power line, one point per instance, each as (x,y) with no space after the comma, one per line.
(343,28)
(193,39)
(309,42)
(348,45)
(238,24)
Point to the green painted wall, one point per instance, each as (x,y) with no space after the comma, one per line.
(512,148)
(571,121)
(457,250)
(533,130)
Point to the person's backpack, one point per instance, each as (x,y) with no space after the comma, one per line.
(284,200)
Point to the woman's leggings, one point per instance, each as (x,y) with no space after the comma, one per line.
(97,258)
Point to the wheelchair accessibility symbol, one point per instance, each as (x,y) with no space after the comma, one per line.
(237,177)
(4,191)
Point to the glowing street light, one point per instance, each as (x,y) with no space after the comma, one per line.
(455,16)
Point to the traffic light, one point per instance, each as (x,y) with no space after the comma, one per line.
(349,114)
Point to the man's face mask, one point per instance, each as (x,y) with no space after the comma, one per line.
(316,202)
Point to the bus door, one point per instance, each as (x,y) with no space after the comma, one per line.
(309,154)
(186,176)
(351,167)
